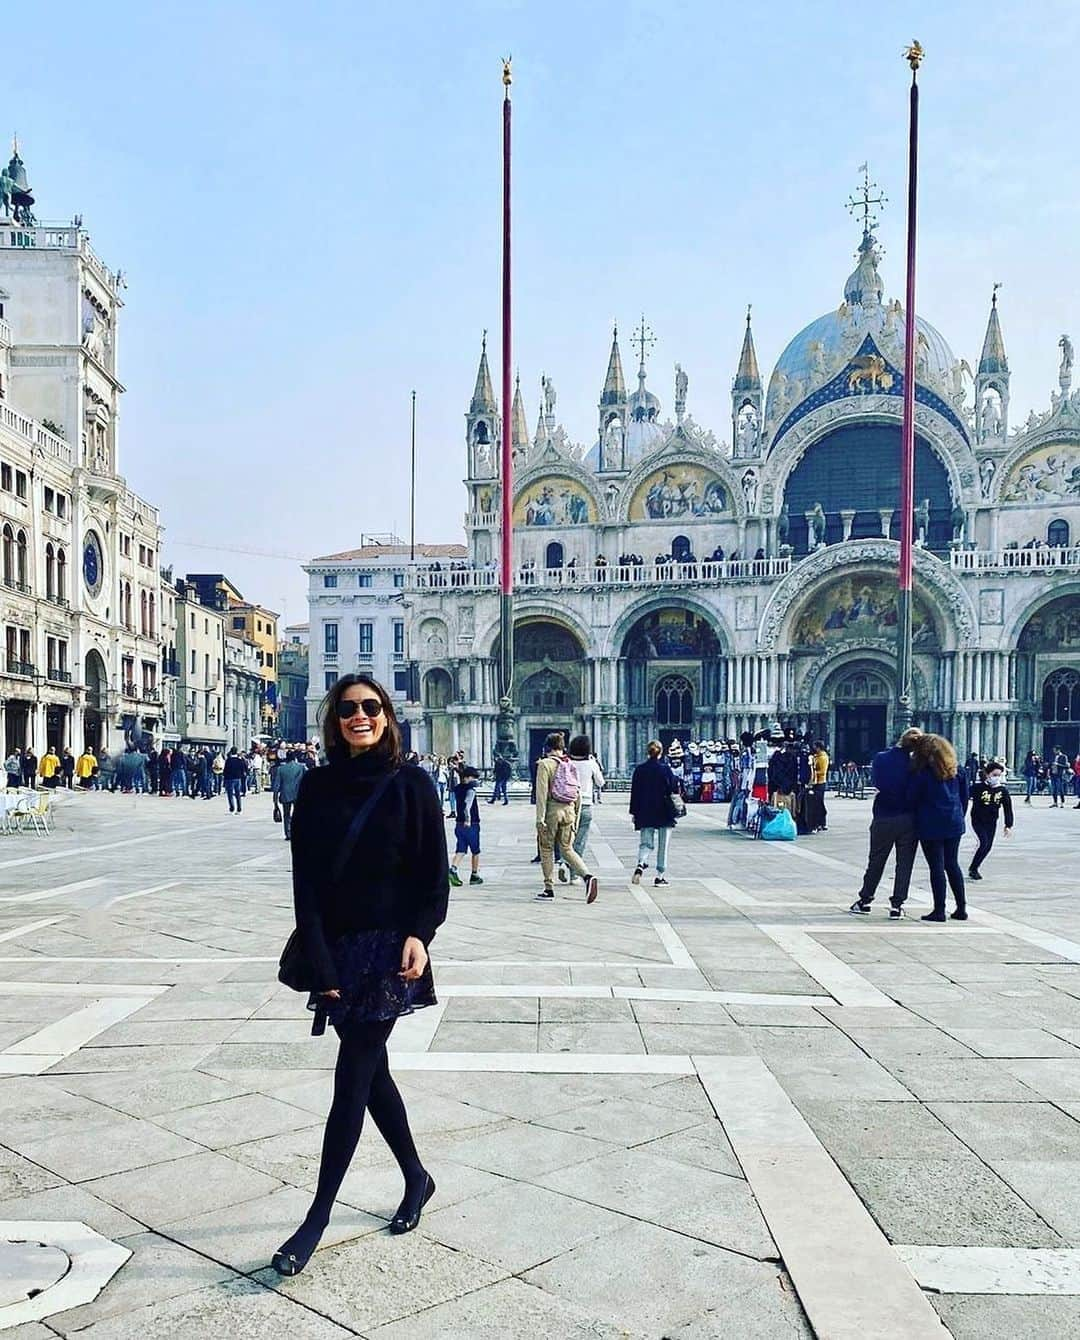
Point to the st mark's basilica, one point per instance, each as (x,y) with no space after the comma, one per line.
(668,584)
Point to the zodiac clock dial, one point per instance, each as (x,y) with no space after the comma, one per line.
(92,563)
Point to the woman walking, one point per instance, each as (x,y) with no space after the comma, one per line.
(651,789)
(590,780)
(940,796)
(989,799)
(1031,774)
(370,888)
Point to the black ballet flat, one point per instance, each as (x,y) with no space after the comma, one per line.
(290,1263)
(407,1217)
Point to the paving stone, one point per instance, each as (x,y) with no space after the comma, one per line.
(681,1012)
(770,1311)
(114,1145)
(20,1177)
(1012,1130)
(855,1129)
(218,1123)
(182,1188)
(995,1317)
(492,1009)
(702,1146)
(150,1096)
(958,1079)
(842,1077)
(472,1037)
(71,1202)
(1051,1188)
(1014,1042)
(1053,1079)
(525,1151)
(566,1010)
(604,1038)
(695,1039)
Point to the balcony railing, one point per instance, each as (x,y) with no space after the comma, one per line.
(17,667)
(35,434)
(5,333)
(58,676)
(130,689)
(1015,560)
(151,695)
(60,601)
(616,574)
(12,585)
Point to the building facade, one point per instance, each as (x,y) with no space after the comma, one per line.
(80,590)
(293,665)
(201,621)
(669,584)
(359,604)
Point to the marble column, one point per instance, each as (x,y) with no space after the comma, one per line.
(847,517)
(886,521)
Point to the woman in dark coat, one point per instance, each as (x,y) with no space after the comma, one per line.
(365,932)
(651,788)
(939,794)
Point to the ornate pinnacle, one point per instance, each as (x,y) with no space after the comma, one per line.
(914,55)
(508,77)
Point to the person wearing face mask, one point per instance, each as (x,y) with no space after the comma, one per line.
(989,798)
(370,889)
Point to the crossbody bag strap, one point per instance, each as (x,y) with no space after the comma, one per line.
(359,819)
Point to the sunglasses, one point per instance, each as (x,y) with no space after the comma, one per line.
(371,707)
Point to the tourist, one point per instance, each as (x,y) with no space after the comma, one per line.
(1060,771)
(989,798)
(234,777)
(590,780)
(1076,781)
(105,777)
(13,769)
(178,780)
(67,768)
(892,825)
(1031,774)
(939,794)
(368,954)
(466,825)
(217,771)
(558,810)
(85,767)
(972,768)
(652,787)
(818,816)
(29,767)
(285,788)
(502,779)
(442,782)
(49,768)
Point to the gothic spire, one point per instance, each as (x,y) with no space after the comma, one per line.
(483,398)
(614,392)
(748,378)
(993,359)
(519,428)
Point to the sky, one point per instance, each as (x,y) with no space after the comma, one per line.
(305,200)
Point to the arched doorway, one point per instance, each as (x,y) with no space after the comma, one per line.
(674,673)
(97,686)
(553,555)
(1047,669)
(1061,711)
(861,696)
(438,690)
(549,663)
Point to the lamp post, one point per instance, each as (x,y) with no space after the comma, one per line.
(913,55)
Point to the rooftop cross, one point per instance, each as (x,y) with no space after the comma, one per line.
(865,200)
(644,339)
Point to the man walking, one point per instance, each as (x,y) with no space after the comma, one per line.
(502,778)
(234,775)
(892,826)
(558,806)
(287,779)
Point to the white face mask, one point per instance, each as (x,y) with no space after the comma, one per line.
(994,778)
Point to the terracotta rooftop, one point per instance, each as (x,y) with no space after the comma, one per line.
(402,550)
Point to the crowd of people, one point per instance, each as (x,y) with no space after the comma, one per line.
(1054,773)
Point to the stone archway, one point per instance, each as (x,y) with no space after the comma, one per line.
(97,694)
(860,697)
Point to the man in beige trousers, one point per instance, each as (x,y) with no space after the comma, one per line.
(557,817)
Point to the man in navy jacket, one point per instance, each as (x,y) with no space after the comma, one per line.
(892,826)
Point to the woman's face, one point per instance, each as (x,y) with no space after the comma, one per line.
(364,726)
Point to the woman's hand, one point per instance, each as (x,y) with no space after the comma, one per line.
(414,959)
(335,994)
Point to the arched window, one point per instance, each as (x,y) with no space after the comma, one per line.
(50,572)
(553,555)
(153,618)
(680,548)
(437,689)
(546,691)
(1061,696)
(481,436)
(9,555)
(128,614)
(674,702)
(1057,533)
(22,565)
(143,613)
(61,575)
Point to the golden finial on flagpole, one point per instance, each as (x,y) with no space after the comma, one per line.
(508,77)
(914,55)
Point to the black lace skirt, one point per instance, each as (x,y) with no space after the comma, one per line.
(370,981)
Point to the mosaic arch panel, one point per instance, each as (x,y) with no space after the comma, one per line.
(856,608)
(671,634)
(1050,474)
(1055,627)
(542,640)
(676,492)
(554,501)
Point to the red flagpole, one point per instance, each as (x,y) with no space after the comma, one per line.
(913,55)
(506,611)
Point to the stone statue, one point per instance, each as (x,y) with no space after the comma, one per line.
(783,524)
(549,397)
(922,520)
(1065,371)
(959,521)
(746,430)
(987,470)
(749,490)
(991,414)
(611,447)
(956,374)
(817,525)
(7,187)
(681,383)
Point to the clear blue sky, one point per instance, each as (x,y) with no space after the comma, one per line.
(305,199)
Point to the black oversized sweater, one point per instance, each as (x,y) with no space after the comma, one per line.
(396,877)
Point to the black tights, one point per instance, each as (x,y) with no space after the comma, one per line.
(986,841)
(362,1082)
(942,856)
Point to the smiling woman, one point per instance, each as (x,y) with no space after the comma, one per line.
(366,911)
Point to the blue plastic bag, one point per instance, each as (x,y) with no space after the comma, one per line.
(780,828)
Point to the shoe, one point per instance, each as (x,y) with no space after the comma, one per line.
(475,879)
(933,916)
(635,878)
(897,914)
(959,915)
(409,1211)
(506,802)
(564,874)
(295,1252)
(860,909)
(1027,800)
(658,881)
(455,878)
(547,893)
(592,888)
(535,860)
(973,874)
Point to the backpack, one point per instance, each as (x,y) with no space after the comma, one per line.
(564,784)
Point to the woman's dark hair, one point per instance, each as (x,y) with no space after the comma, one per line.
(389,748)
(580,747)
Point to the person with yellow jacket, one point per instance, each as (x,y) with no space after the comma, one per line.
(49,767)
(85,767)
(816,814)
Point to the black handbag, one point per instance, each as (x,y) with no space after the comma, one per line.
(295,969)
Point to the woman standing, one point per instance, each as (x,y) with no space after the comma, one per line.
(370,888)
(590,780)
(989,799)
(1031,774)
(651,788)
(939,794)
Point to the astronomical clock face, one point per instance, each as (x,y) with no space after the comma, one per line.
(93,563)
